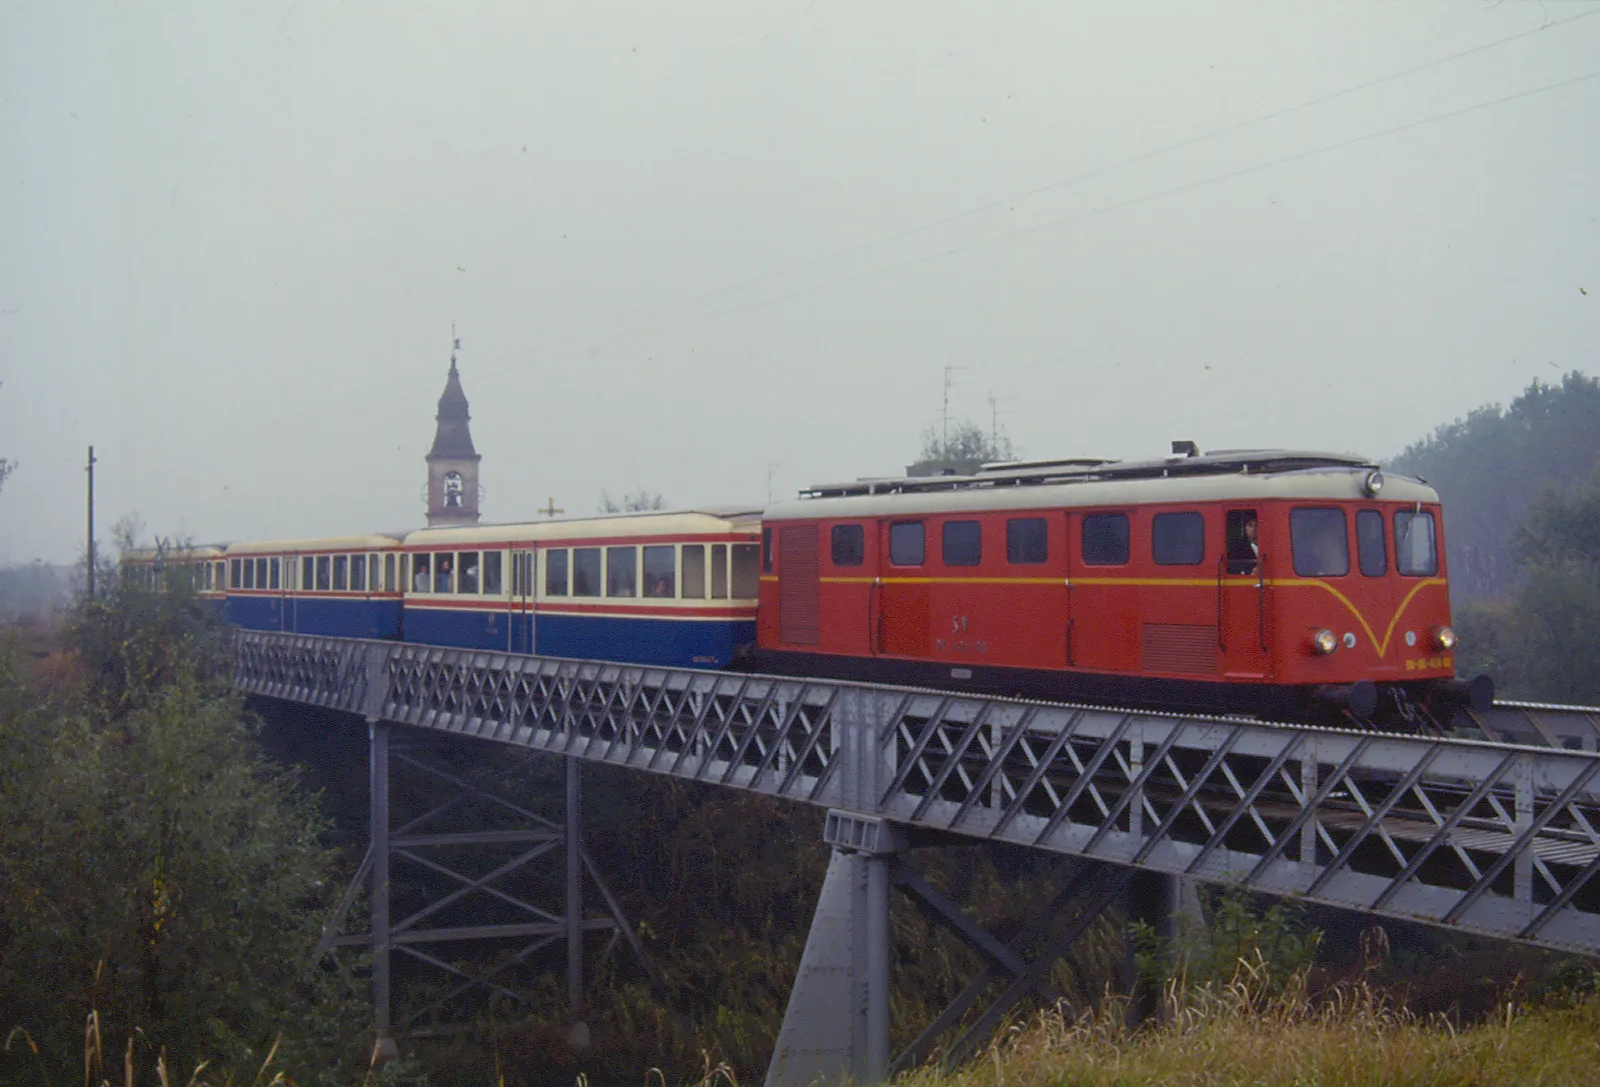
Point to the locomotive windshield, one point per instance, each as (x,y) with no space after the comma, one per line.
(1321,547)
(1415,552)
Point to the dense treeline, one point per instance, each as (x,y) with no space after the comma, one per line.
(1521,493)
(1491,466)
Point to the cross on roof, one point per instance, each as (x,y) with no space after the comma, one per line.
(550,510)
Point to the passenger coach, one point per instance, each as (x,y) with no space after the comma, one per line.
(1268,582)
(200,568)
(345,587)
(675,589)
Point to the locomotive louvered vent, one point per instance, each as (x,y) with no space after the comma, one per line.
(799,586)
(1179,647)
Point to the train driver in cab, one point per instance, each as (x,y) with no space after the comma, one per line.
(1244,553)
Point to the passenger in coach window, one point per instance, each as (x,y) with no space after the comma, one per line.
(442,580)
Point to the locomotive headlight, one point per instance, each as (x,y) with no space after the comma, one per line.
(1373,483)
(1324,641)
(1444,637)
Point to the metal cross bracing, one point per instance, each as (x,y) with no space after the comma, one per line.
(1497,839)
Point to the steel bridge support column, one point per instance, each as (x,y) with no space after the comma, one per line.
(574,906)
(1155,899)
(836,1026)
(378,792)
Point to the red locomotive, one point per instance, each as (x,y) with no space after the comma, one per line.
(1277,583)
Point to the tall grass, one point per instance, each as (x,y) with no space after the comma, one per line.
(1251,1032)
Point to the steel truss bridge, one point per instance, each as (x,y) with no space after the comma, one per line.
(1497,835)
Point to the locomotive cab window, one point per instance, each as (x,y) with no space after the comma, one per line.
(961,543)
(659,580)
(1244,551)
(1370,553)
(1105,539)
(1416,552)
(1178,539)
(848,545)
(1027,541)
(907,545)
(1321,546)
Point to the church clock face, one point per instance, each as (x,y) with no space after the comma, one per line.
(453,489)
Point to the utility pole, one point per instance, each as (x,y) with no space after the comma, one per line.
(90,576)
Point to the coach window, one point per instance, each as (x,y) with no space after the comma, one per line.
(586,571)
(221,577)
(491,573)
(746,571)
(249,574)
(849,545)
(1105,539)
(962,543)
(660,575)
(323,573)
(1370,553)
(1321,546)
(906,543)
(235,578)
(1178,539)
(693,565)
(1416,552)
(555,574)
(469,572)
(444,572)
(261,573)
(341,573)
(272,574)
(622,571)
(358,573)
(373,584)
(719,571)
(421,573)
(206,574)
(388,573)
(766,550)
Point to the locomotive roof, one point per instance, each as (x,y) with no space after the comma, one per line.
(376,541)
(652,523)
(1231,475)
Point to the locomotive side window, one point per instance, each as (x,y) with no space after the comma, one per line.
(1105,539)
(907,544)
(1027,541)
(1178,539)
(555,573)
(341,572)
(1239,534)
(1370,554)
(622,571)
(492,561)
(746,571)
(962,543)
(1321,546)
(848,545)
(719,571)
(693,562)
(1416,552)
(766,550)
(659,574)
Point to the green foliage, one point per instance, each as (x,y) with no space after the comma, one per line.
(157,870)
(1489,466)
(966,448)
(1233,937)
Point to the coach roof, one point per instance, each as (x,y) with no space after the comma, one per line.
(706,521)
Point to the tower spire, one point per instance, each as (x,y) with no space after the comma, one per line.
(453,461)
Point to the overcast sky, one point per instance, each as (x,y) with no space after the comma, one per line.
(695,246)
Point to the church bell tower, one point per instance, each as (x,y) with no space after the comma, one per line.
(453,462)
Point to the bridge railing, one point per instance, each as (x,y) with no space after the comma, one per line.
(1493,838)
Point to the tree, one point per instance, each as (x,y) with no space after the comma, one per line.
(639,501)
(960,451)
(158,870)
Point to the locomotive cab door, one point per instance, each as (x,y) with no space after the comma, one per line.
(1242,596)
